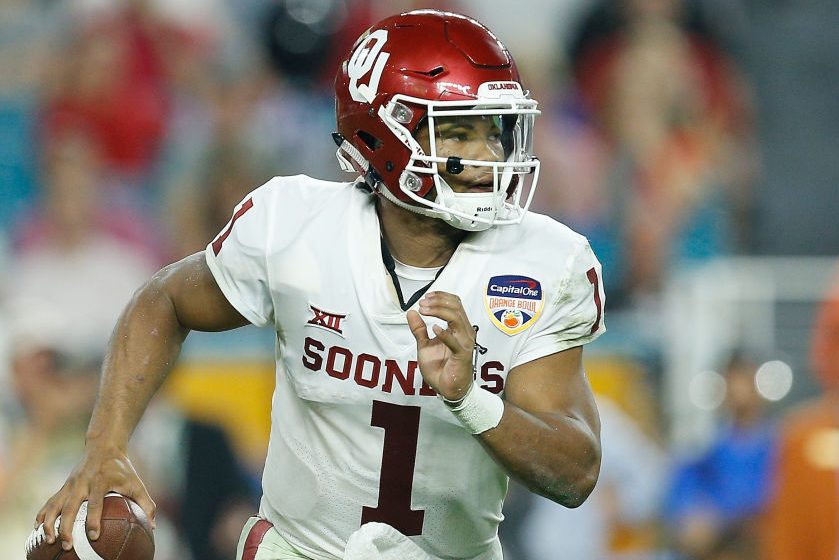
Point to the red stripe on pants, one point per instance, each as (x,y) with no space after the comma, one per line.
(254,538)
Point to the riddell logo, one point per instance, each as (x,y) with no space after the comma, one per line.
(326,320)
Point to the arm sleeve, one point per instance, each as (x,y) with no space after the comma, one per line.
(573,315)
(238,257)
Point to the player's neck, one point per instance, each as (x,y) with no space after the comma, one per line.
(417,240)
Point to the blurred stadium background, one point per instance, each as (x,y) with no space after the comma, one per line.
(694,142)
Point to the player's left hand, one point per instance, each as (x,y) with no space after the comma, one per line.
(445,361)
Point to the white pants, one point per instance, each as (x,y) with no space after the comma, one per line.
(260,541)
(373,541)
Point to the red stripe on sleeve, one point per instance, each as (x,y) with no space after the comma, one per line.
(248,204)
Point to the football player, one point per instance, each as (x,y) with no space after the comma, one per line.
(429,327)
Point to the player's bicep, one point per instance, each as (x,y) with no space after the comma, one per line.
(197,300)
(554,385)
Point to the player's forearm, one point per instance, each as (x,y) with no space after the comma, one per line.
(556,457)
(142,350)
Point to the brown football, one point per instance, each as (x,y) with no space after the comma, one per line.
(125,534)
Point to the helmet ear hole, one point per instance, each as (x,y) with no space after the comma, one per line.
(369,140)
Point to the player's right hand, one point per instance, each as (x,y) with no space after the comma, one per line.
(99,472)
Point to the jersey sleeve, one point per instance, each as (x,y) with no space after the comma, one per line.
(238,257)
(573,314)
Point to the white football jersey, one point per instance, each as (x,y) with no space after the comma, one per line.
(356,435)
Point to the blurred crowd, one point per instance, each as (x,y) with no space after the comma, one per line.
(129,129)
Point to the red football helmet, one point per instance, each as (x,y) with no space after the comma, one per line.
(407,71)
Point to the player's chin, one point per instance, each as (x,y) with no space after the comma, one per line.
(472,187)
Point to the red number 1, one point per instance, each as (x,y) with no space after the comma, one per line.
(401,425)
(592,277)
(248,204)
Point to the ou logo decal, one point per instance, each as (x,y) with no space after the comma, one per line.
(368,58)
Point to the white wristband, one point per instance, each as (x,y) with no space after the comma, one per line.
(478,411)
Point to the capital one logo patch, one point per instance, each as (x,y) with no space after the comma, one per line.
(326,320)
(368,58)
(513,302)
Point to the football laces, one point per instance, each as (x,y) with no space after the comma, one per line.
(38,536)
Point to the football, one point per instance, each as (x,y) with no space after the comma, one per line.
(125,534)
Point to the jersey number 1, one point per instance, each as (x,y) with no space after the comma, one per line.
(217,243)
(592,277)
(401,426)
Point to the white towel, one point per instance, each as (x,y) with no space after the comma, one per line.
(378,541)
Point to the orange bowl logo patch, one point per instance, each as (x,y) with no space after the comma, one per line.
(513,302)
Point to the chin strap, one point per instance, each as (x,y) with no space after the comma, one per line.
(351,159)
(430,212)
(356,163)
(455,221)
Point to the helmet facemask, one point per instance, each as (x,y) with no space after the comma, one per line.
(484,146)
